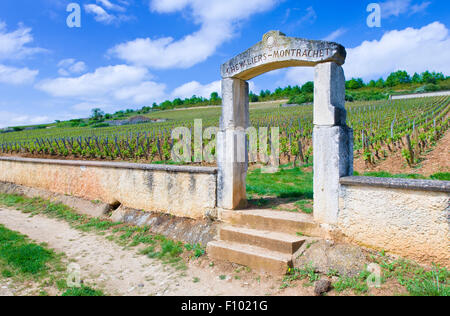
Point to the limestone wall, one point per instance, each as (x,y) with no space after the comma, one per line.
(409,218)
(178,190)
(420,95)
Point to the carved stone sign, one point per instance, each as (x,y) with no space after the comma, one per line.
(276,51)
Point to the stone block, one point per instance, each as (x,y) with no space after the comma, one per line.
(235,108)
(329,95)
(333,159)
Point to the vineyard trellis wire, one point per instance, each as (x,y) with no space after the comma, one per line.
(380,128)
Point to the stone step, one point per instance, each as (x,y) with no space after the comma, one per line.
(275,221)
(259,259)
(275,241)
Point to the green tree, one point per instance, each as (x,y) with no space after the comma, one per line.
(416,78)
(354,83)
(397,78)
(214,96)
(380,83)
(308,87)
(253,97)
(97,114)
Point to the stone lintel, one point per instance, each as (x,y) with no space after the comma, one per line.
(276,51)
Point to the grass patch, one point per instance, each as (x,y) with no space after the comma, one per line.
(82,291)
(443,176)
(385,174)
(162,248)
(23,260)
(19,253)
(304,206)
(307,273)
(357,283)
(286,183)
(417,280)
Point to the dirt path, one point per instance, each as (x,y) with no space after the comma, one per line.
(119,271)
(5,289)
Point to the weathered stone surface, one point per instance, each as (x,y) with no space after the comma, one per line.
(178,228)
(114,165)
(232,159)
(396,183)
(276,241)
(325,256)
(259,259)
(82,206)
(410,223)
(235,109)
(179,191)
(329,95)
(276,51)
(268,220)
(322,286)
(333,159)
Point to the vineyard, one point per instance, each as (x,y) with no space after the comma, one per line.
(381,128)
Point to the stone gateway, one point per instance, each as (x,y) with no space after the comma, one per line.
(333,139)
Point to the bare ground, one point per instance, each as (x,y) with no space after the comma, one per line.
(118,271)
(122,271)
(438,160)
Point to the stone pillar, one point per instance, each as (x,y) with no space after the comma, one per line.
(232,158)
(332,141)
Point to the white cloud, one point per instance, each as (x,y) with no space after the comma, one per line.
(100,11)
(413,50)
(299,75)
(16,76)
(336,34)
(100,14)
(218,22)
(398,7)
(103,81)
(310,16)
(13,45)
(111,6)
(8,119)
(145,92)
(189,89)
(420,7)
(107,87)
(70,66)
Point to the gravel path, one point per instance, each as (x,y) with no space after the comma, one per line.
(119,271)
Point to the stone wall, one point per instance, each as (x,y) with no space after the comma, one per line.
(406,217)
(420,95)
(177,190)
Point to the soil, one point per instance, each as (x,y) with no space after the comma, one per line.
(122,271)
(438,160)
(435,161)
(118,271)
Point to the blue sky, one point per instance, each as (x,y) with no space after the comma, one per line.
(130,53)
